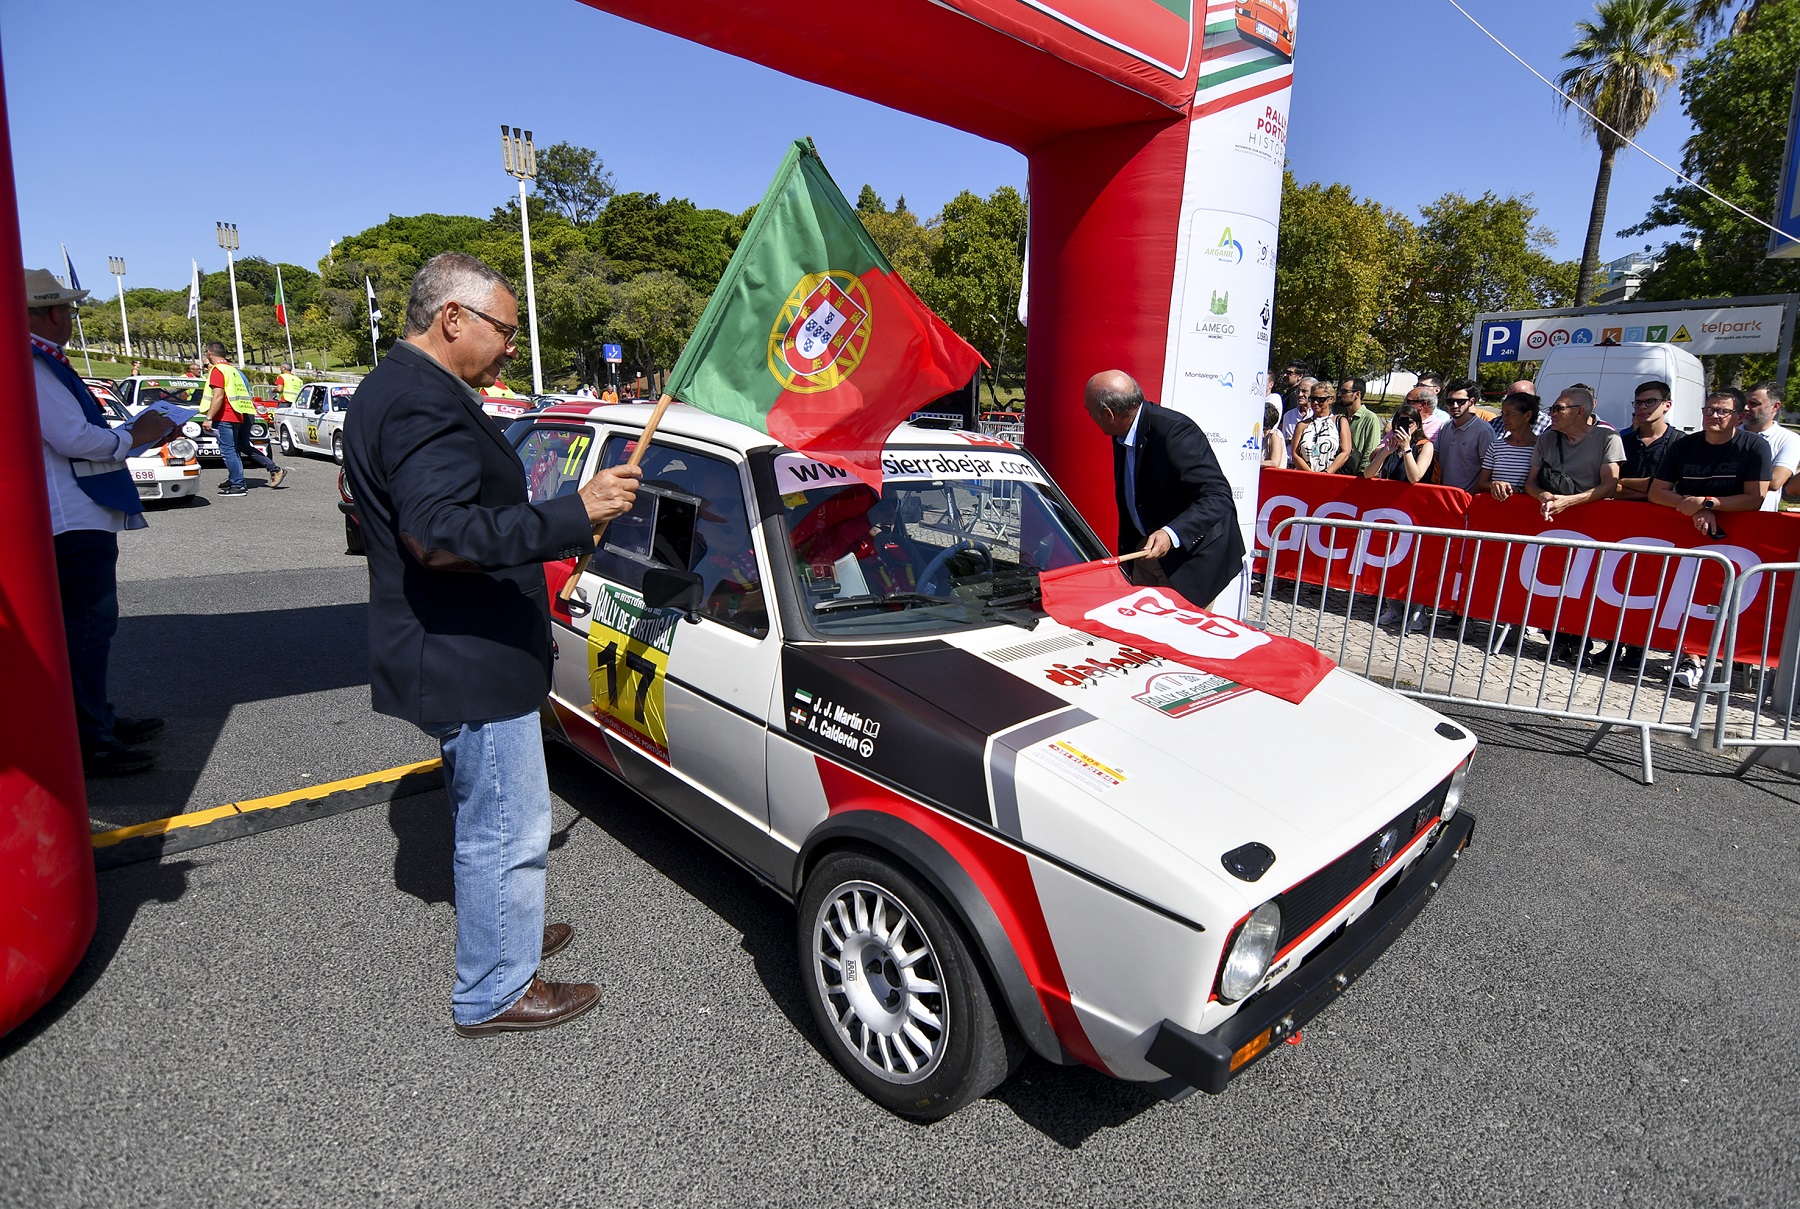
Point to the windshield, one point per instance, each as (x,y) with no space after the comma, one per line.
(955,538)
(185,391)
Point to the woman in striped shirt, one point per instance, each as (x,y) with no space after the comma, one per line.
(1507,462)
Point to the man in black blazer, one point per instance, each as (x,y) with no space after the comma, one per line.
(459,621)
(1173,499)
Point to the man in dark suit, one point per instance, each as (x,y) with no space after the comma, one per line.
(1173,499)
(459,621)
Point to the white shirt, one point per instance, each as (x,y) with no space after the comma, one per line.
(68,436)
(1784,444)
(1129,440)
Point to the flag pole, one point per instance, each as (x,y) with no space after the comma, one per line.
(567,592)
(194,302)
(286,326)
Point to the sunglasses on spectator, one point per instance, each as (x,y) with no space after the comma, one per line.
(1556,408)
(1455,402)
(1321,398)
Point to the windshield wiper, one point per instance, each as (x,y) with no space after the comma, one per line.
(1000,602)
(863,602)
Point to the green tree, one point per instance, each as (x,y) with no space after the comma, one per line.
(639,232)
(869,202)
(908,244)
(574,180)
(976,268)
(653,316)
(1622,63)
(1737,99)
(1471,255)
(1340,266)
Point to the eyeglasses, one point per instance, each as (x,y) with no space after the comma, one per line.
(1454,402)
(1652,401)
(507,330)
(1557,408)
(1718,411)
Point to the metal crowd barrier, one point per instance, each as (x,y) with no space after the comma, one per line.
(1768,695)
(1468,655)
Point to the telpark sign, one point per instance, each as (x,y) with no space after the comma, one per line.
(1702,331)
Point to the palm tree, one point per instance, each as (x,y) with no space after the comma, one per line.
(1623,60)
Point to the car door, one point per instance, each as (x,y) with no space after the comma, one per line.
(684,700)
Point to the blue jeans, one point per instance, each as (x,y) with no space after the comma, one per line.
(235,448)
(500,806)
(87,562)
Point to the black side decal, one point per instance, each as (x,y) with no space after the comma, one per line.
(915,719)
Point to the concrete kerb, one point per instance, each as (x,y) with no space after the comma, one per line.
(197,829)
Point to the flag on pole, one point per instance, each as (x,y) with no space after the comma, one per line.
(374,311)
(69,268)
(1096,598)
(194,292)
(811,336)
(280,300)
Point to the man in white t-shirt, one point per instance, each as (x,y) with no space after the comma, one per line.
(1764,413)
(1290,419)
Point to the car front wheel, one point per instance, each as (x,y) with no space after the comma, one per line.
(337,448)
(287,441)
(902,1002)
(353,538)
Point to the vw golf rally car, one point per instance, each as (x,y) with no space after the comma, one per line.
(1002,834)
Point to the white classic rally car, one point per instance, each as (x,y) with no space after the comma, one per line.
(1001,834)
(314,421)
(171,471)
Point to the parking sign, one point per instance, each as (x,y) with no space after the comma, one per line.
(1500,341)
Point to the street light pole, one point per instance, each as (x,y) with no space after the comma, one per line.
(228,239)
(116,265)
(520,159)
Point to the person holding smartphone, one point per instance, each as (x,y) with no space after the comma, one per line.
(1405,454)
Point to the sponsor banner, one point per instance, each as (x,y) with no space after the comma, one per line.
(795,472)
(1096,599)
(628,658)
(1645,601)
(1702,331)
(1383,564)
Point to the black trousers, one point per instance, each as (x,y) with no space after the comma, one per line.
(87,573)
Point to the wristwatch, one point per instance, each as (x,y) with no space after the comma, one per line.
(1709,503)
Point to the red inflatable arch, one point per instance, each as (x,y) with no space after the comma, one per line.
(1155,131)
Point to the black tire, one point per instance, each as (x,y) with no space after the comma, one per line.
(974,1047)
(337,448)
(353,538)
(287,441)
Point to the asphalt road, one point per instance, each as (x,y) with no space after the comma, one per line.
(1599,1008)
(244,623)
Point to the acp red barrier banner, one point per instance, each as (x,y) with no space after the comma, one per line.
(1375,563)
(1643,599)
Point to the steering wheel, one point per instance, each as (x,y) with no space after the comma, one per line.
(929,574)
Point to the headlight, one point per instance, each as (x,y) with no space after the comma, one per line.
(1453,796)
(191,429)
(259,430)
(180,450)
(1251,952)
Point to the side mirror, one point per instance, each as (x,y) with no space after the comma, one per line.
(668,588)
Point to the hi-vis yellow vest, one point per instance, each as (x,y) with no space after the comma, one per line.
(237,390)
(289,385)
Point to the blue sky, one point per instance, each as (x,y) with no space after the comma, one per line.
(135,126)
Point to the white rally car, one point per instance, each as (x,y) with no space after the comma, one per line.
(1001,834)
(135,394)
(314,421)
(168,472)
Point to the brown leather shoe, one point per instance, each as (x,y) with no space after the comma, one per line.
(556,939)
(544,1005)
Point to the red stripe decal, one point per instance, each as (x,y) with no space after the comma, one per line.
(586,736)
(1003,876)
(1238,98)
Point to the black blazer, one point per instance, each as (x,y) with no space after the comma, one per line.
(459,617)
(1180,485)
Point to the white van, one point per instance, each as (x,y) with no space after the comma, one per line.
(1614,371)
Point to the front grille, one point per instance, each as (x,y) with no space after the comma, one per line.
(1320,895)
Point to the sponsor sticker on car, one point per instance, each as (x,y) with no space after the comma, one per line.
(628,657)
(1077,767)
(1179,694)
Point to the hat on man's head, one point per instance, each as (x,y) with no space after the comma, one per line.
(42,289)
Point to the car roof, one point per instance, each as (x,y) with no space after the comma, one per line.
(686,421)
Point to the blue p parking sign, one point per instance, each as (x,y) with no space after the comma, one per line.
(1500,340)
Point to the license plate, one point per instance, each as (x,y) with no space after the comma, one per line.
(144,476)
(1265,31)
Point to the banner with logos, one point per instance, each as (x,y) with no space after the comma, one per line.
(1702,331)
(1383,564)
(1641,599)
(1638,598)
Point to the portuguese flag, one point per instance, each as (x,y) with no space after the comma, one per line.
(811,336)
(280,300)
